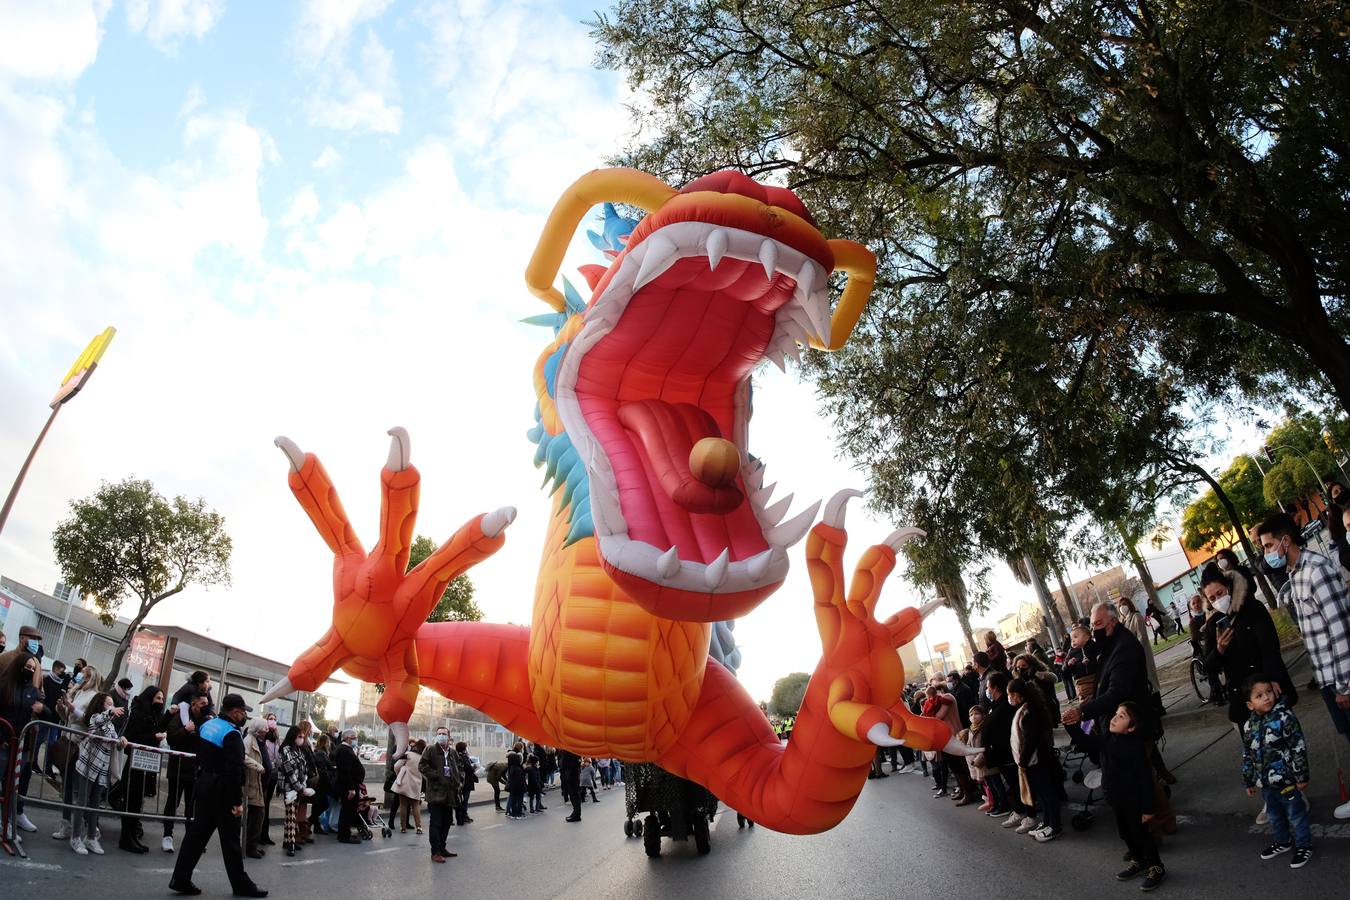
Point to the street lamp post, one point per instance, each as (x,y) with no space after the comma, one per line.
(74,381)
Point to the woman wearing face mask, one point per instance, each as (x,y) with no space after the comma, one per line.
(1240,639)
(20,702)
(144,726)
(83,689)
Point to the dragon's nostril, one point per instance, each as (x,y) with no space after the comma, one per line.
(714,461)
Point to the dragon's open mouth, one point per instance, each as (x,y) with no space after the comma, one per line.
(663,362)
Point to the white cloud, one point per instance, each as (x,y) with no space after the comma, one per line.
(364,98)
(54,40)
(326,25)
(166,22)
(327,158)
(303,207)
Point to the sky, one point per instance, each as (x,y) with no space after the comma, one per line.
(313,220)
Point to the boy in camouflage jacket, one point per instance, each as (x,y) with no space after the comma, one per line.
(1275,759)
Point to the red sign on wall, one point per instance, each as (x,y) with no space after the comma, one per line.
(145,658)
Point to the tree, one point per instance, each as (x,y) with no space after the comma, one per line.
(787,695)
(1206,522)
(456,604)
(1178,166)
(127,538)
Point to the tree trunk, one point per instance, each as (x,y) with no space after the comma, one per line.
(1140,567)
(1231,511)
(1070,598)
(956,600)
(1054,626)
(111,678)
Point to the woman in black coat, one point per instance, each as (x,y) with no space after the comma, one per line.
(145,725)
(1240,638)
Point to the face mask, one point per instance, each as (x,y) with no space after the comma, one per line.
(1225,565)
(1099,634)
(79,677)
(1222,603)
(34,647)
(442,739)
(1275,559)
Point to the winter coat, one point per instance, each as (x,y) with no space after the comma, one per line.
(515,773)
(253,772)
(441,780)
(408,777)
(95,759)
(1139,628)
(1274,753)
(534,782)
(1127,774)
(1122,677)
(1031,739)
(974,737)
(997,732)
(467,770)
(588,776)
(351,774)
(323,762)
(1255,647)
(292,771)
(17,710)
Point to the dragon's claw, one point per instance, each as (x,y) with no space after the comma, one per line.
(902,536)
(495,522)
(292,451)
(282,688)
(400,449)
(880,734)
(838,506)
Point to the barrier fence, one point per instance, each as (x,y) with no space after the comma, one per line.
(138,772)
(11,762)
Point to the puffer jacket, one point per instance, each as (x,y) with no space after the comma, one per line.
(1274,753)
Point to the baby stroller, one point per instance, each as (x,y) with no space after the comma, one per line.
(368,816)
(675,808)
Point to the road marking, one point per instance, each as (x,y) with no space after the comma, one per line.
(28,864)
(302,862)
(383,850)
(490,827)
(1318,831)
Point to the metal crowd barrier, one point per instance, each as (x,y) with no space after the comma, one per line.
(9,785)
(164,774)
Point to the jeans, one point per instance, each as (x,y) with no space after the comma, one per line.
(515,805)
(536,801)
(88,792)
(1045,791)
(1287,809)
(1339,717)
(439,814)
(329,817)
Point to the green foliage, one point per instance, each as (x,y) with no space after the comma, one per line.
(127,538)
(456,604)
(787,695)
(1205,521)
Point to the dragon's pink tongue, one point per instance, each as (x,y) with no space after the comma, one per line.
(667,432)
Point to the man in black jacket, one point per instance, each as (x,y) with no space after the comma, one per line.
(219,795)
(569,773)
(351,774)
(1121,676)
(997,733)
(963,695)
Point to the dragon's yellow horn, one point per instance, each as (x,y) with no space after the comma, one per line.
(614,185)
(860,265)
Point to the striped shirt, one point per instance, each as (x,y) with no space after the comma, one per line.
(1321,605)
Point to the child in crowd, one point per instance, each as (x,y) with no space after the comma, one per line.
(972,737)
(1127,775)
(588,779)
(1275,759)
(516,783)
(534,783)
(92,770)
(1033,749)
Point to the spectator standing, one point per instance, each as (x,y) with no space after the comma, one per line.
(534,784)
(408,786)
(351,774)
(998,657)
(20,702)
(93,768)
(182,778)
(469,778)
(1128,782)
(1275,760)
(1246,643)
(145,726)
(253,787)
(292,784)
(442,782)
(998,758)
(1033,749)
(515,782)
(1320,603)
(569,774)
(1130,618)
(326,804)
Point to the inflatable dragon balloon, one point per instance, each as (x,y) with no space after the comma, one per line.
(661,524)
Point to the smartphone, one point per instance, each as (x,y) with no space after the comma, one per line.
(1222,623)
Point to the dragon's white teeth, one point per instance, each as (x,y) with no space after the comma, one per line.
(669,563)
(789,348)
(796,322)
(716,247)
(768,257)
(754,478)
(758,564)
(775,356)
(902,536)
(772,514)
(794,529)
(716,572)
(838,506)
(806,278)
(660,251)
(817,307)
(761,496)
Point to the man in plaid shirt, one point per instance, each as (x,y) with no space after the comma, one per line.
(1321,605)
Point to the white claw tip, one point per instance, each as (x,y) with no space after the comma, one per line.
(400,732)
(495,522)
(902,536)
(400,449)
(281,689)
(292,451)
(931,607)
(838,506)
(956,748)
(880,735)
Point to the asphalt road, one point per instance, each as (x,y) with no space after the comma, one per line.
(897,842)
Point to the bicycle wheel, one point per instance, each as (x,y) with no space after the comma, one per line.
(1200,680)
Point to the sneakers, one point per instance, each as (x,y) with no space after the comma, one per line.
(1275,849)
(1262,818)
(1028,825)
(1152,878)
(167,844)
(1302,856)
(1013,821)
(62,832)
(1131,869)
(905,769)
(1342,811)
(986,806)
(1047,834)
(25,823)
(77,844)
(93,846)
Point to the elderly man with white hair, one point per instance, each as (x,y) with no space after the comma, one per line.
(351,774)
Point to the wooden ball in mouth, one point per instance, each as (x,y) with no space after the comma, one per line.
(715,461)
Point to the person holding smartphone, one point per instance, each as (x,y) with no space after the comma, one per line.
(1243,640)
